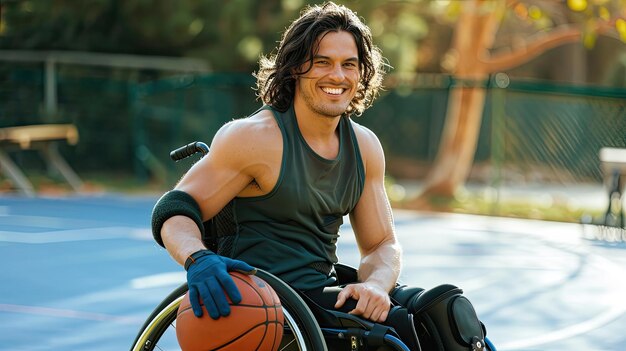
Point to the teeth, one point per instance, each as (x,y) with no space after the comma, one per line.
(333,91)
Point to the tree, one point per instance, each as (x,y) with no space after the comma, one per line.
(229,35)
(472,58)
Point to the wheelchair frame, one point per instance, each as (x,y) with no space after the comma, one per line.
(302,331)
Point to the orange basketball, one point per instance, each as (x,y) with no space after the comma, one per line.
(256,323)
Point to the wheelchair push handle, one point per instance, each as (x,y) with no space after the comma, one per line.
(188,150)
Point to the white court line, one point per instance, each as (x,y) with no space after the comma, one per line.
(568,332)
(65,313)
(48,222)
(557,232)
(159,280)
(498,262)
(83,234)
(617,310)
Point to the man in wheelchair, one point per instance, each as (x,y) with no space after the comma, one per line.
(276,185)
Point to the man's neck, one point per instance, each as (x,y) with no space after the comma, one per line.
(320,132)
(315,126)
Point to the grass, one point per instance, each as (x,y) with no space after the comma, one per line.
(521,209)
(503,208)
(486,202)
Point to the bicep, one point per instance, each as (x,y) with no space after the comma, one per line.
(372,218)
(219,176)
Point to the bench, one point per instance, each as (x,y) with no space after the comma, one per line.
(45,139)
(613,163)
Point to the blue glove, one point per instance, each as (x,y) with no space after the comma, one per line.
(208,279)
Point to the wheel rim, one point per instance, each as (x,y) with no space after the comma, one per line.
(153,332)
(151,336)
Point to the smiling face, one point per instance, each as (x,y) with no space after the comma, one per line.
(332,81)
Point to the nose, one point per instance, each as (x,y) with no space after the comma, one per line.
(337,74)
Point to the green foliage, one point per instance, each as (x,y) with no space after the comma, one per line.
(219,31)
(232,34)
(229,34)
(94,25)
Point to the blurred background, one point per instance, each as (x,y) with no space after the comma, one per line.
(490,107)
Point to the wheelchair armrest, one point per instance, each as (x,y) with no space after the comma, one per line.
(372,333)
(346,274)
(335,319)
(347,320)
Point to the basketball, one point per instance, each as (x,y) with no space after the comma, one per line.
(256,323)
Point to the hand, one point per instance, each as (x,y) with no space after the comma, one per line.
(208,279)
(373,303)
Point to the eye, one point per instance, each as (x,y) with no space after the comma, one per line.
(350,65)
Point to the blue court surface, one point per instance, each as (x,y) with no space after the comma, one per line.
(82,273)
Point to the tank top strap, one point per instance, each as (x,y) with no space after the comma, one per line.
(357,151)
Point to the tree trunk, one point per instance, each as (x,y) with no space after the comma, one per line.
(469,61)
(458,143)
(473,36)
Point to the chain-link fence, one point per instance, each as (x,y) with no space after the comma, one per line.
(533,133)
(542,141)
(173,112)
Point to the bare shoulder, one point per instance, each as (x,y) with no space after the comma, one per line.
(251,134)
(371,149)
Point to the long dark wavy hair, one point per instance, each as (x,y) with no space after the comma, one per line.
(277,75)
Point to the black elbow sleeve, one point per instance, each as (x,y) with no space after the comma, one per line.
(174,203)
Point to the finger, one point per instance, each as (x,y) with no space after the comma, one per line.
(226,282)
(219,297)
(343,296)
(340,301)
(377,314)
(208,302)
(361,308)
(239,266)
(383,315)
(196,306)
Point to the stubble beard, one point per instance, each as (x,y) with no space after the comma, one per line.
(325,109)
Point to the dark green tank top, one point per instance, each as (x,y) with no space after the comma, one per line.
(293,230)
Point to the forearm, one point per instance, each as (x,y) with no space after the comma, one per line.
(181,237)
(381,267)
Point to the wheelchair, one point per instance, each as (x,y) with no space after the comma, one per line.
(302,330)
(307,326)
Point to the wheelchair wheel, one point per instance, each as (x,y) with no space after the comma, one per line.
(301,329)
